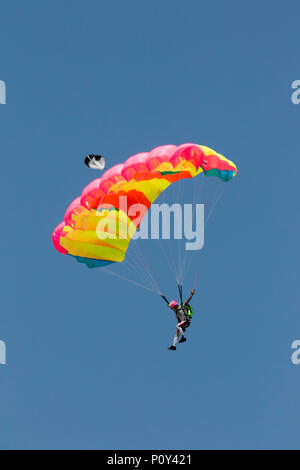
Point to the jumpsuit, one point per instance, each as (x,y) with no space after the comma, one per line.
(183,321)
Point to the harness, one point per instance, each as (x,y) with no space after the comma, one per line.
(188,312)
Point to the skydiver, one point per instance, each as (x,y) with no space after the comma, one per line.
(183,319)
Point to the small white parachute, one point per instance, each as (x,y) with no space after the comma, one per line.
(95,162)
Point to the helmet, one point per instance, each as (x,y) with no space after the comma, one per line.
(173,304)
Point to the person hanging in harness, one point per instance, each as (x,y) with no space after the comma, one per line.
(183,314)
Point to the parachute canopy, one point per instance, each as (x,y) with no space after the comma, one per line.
(95,162)
(99,224)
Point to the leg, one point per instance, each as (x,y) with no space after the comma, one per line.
(179,332)
(184,327)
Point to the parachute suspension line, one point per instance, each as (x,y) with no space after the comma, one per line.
(133,271)
(198,189)
(147,279)
(135,264)
(136,268)
(177,262)
(199,195)
(167,249)
(175,247)
(136,271)
(170,260)
(215,199)
(179,242)
(183,265)
(133,267)
(147,269)
(108,271)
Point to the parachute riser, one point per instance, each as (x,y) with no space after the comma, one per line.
(180,292)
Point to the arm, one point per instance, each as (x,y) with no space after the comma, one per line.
(190,297)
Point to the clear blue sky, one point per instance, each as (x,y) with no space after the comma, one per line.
(87,359)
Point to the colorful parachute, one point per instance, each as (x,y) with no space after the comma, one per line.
(99,225)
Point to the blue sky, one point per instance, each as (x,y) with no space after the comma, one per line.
(87,359)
